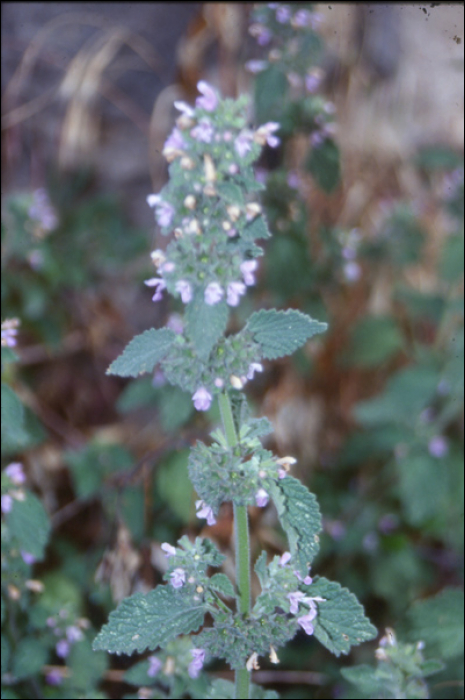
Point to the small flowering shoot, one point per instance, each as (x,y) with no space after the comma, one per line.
(210,209)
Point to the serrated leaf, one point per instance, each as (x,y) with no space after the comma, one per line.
(231,192)
(282,332)
(143,353)
(341,622)
(205,324)
(256,229)
(364,677)
(87,666)
(261,570)
(29,524)
(300,518)
(438,622)
(222,584)
(149,621)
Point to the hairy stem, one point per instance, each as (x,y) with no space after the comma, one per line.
(242,549)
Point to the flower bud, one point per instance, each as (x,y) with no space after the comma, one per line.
(190,202)
(252,210)
(209,190)
(236,383)
(187,163)
(210,171)
(233,212)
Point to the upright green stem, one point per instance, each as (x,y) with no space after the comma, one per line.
(242,549)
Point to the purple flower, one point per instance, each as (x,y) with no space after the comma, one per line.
(62,648)
(9,332)
(196,664)
(175,323)
(54,677)
(256,66)
(169,550)
(7,503)
(178,578)
(294,600)
(438,446)
(154,666)
(283,14)
(204,511)
(213,293)
(203,132)
(219,383)
(265,134)
(185,290)
(306,621)
(184,108)
(261,33)
(352,271)
(254,367)
(301,18)
(15,471)
(209,101)
(202,399)
(27,557)
(174,145)
(74,634)
(313,80)
(159,285)
(165,212)
(285,559)
(307,580)
(234,292)
(247,268)
(243,142)
(261,498)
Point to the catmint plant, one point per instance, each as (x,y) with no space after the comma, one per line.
(210,211)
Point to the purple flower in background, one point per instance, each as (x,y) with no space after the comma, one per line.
(254,367)
(174,143)
(265,134)
(164,213)
(169,550)
(15,471)
(283,14)
(196,664)
(302,18)
(261,498)
(74,634)
(438,446)
(247,268)
(204,511)
(54,677)
(185,290)
(219,383)
(256,66)
(313,80)
(175,323)
(178,578)
(7,503)
(352,271)
(154,666)
(159,285)
(184,108)
(202,399)
(62,648)
(209,99)
(234,292)
(213,293)
(243,142)
(203,132)
(28,558)
(9,332)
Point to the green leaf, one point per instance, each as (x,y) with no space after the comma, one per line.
(205,324)
(261,569)
(324,164)
(452,256)
(173,486)
(364,677)
(222,584)
(221,689)
(423,484)
(374,341)
(271,87)
(231,192)
(6,653)
(142,353)
(300,518)
(30,655)
(87,666)
(12,419)
(149,621)
(29,524)
(438,621)
(256,229)
(341,622)
(280,333)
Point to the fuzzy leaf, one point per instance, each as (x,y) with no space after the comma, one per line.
(12,420)
(142,353)
(149,621)
(222,584)
(438,621)
(29,524)
(341,622)
(324,164)
(261,569)
(231,192)
(300,518)
(281,333)
(205,324)
(222,689)
(256,229)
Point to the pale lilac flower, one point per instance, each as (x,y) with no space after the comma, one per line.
(438,446)
(317,138)
(54,677)
(266,132)
(167,266)
(203,132)
(74,634)
(204,511)
(15,471)
(27,557)
(316,19)
(307,580)
(285,559)
(261,33)
(213,293)
(196,664)
(164,213)
(247,268)
(306,622)
(202,399)
(261,498)
(283,14)
(293,180)
(301,18)
(175,322)
(243,142)
(234,292)
(219,383)
(185,290)
(62,648)
(349,253)
(209,99)
(169,550)
(294,79)
(9,331)
(154,666)
(256,66)
(352,271)
(42,210)
(184,108)
(174,145)
(313,80)
(282,473)
(178,578)
(254,367)
(294,600)
(233,169)
(159,285)
(7,503)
